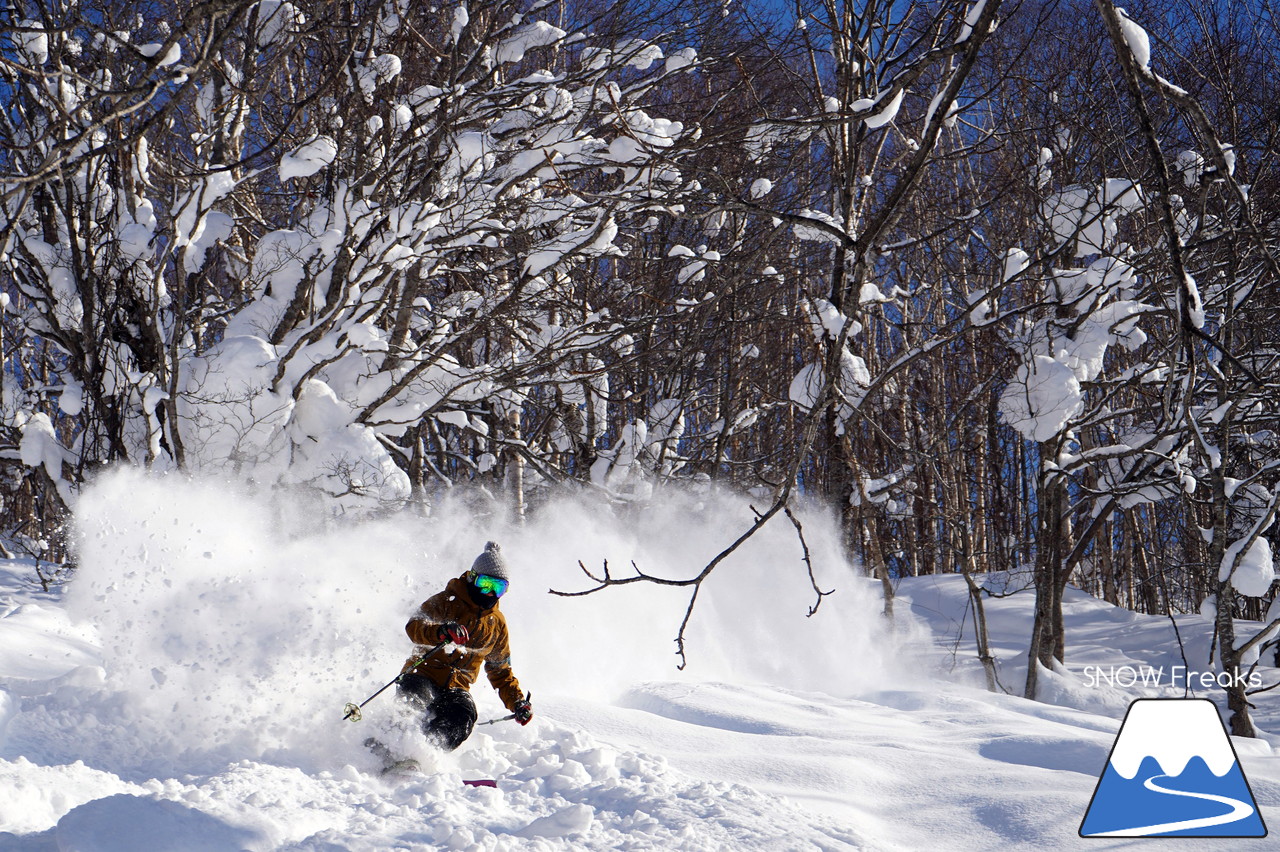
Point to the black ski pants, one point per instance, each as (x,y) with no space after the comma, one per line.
(448,715)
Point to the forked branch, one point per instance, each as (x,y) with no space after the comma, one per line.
(606,579)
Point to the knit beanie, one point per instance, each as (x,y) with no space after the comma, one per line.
(491,562)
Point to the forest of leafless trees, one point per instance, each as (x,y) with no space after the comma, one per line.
(997,280)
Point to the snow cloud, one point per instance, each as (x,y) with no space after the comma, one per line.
(236,625)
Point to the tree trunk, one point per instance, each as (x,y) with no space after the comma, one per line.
(1047,641)
(517,467)
(980,636)
(1237,700)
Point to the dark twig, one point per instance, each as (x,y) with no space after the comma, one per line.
(1183,650)
(695,581)
(603,582)
(609,580)
(606,579)
(808,561)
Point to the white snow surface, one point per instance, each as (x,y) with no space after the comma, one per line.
(184,690)
(971,19)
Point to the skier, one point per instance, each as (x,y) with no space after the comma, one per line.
(466,615)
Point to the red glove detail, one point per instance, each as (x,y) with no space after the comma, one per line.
(452,631)
(523,711)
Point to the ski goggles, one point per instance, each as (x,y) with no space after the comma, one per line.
(489,585)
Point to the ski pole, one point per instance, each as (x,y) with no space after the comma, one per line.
(353,710)
(504,718)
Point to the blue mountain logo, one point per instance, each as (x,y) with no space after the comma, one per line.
(1173,773)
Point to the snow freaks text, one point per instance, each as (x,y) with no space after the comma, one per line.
(1179,677)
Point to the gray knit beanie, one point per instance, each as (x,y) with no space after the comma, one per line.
(491,562)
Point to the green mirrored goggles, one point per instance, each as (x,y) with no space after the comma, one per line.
(489,585)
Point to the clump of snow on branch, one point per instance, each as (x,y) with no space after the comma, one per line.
(1042,398)
(308,158)
(827,325)
(1088,217)
(1047,390)
(1137,39)
(276,18)
(887,113)
(1252,573)
(327,357)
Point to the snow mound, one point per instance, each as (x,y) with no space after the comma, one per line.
(35,797)
(38,642)
(125,823)
(1256,570)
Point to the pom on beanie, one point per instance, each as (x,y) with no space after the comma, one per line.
(491,562)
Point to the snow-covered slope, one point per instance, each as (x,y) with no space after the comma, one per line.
(186,693)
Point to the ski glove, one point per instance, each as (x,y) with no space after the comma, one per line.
(452,631)
(523,711)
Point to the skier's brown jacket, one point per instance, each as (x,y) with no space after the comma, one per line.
(457,666)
